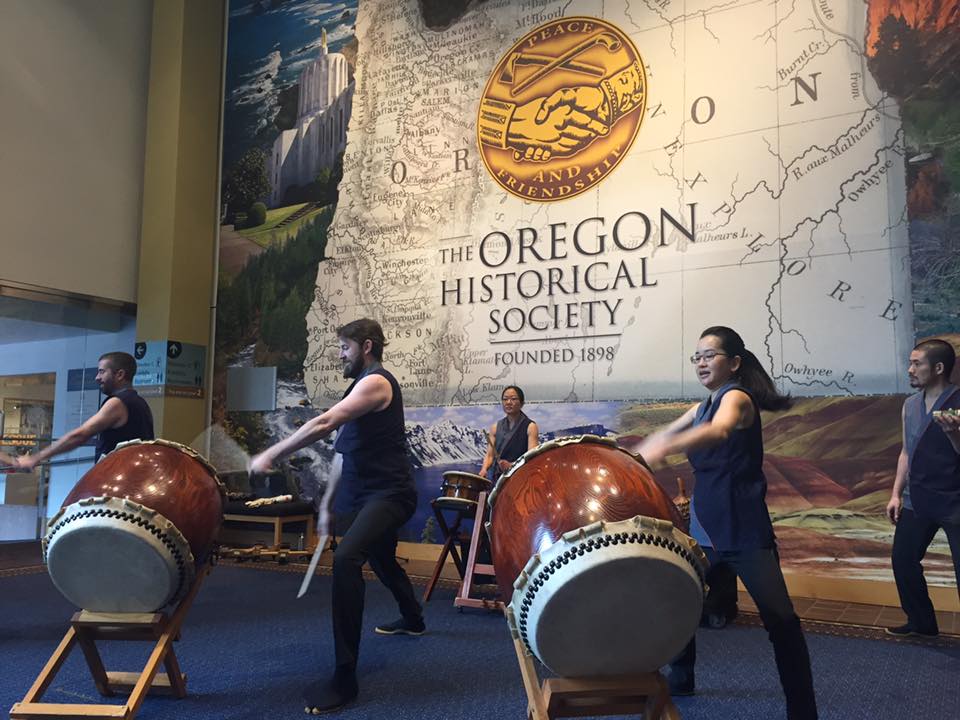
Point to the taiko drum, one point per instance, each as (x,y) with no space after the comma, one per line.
(462,489)
(132,532)
(601,578)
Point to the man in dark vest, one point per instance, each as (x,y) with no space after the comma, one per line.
(926,490)
(123,416)
(375,496)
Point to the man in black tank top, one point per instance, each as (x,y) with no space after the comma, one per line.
(376,496)
(123,416)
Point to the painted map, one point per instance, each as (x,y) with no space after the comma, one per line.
(765,190)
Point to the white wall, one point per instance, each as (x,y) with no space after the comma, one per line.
(73,88)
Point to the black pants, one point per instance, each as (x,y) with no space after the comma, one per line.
(910,542)
(721,599)
(371,535)
(761,575)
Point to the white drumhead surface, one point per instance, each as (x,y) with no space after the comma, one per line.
(108,568)
(628,615)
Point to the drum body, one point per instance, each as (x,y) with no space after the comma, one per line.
(462,489)
(586,545)
(132,532)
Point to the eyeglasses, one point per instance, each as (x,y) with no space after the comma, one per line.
(708,356)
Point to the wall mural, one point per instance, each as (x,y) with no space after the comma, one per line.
(562,195)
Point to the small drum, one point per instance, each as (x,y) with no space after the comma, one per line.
(131,533)
(586,542)
(461,489)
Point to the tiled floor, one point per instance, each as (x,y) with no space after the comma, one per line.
(856,614)
(19,554)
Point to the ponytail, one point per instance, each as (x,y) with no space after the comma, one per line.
(751,374)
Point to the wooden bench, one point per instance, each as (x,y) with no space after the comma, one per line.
(278,521)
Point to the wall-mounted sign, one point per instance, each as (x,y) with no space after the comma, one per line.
(169,367)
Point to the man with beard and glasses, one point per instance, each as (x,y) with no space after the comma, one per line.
(123,416)
(376,496)
(926,489)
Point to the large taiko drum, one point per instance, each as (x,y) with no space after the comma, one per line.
(587,545)
(131,533)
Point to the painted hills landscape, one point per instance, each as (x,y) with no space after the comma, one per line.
(830,465)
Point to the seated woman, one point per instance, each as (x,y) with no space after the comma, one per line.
(510,437)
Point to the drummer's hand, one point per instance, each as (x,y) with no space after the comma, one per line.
(26,463)
(949,423)
(261,463)
(653,450)
(894,508)
(504,465)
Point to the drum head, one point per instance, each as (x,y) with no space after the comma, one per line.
(474,480)
(649,613)
(113,556)
(611,598)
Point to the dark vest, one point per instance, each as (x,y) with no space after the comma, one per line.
(139,425)
(515,446)
(729,495)
(934,468)
(376,461)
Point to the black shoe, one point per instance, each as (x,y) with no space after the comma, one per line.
(908,631)
(328,695)
(402,627)
(681,686)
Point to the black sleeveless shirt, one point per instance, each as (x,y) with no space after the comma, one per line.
(376,462)
(514,447)
(729,498)
(139,425)
(934,469)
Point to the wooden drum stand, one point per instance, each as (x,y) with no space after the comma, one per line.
(87,627)
(646,694)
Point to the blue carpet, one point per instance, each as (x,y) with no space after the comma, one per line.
(248,647)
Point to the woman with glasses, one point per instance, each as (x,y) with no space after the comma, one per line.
(723,441)
(510,437)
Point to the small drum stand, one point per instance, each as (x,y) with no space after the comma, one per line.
(87,627)
(479,538)
(452,535)
(646,694)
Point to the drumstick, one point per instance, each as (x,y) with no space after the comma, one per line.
(336,468)
(496,456)
(314,561)
(14,468)
(223,452)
